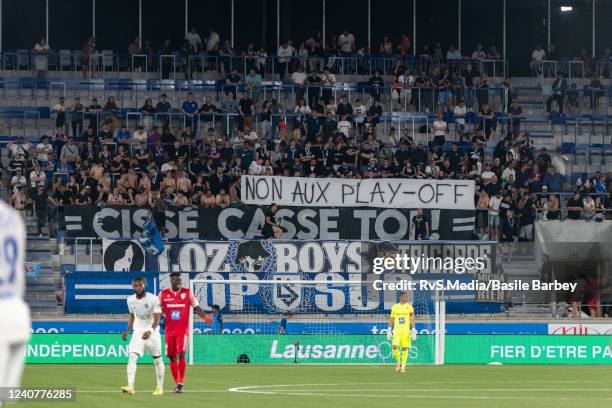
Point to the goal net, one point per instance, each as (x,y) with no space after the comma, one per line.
(287,320)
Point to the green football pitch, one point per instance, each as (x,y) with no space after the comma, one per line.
(333,386)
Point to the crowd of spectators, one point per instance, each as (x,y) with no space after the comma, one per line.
(97,159)
(154,165)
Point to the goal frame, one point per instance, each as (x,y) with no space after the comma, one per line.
(438,299)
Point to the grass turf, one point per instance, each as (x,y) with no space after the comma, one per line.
(334,386)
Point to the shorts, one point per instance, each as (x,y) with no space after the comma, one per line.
(402,340)
(176,344)
(12,361)
(493,220)
(151,346)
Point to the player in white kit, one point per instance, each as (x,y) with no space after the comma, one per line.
(14,312)
(145,313)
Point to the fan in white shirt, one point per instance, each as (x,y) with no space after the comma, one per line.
(346,42)
(344,126)
(43,150)
(439,127)
(360,112)
(298,77)
(256,168)
(459,112)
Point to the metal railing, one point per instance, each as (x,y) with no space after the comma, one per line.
(345,65)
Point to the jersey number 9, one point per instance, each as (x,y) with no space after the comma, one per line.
(9,253)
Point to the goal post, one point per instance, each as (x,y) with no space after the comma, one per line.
(288,320)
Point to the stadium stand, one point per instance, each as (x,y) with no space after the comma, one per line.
(177,128)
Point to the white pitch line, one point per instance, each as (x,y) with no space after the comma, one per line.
(466,397)
(142,392)
(266,390)
(456,389)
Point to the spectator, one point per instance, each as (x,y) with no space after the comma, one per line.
(346,43)
(189,108)
(253,81)
(508,228)
(459,113)
(328,80)
(405,44)
(89,57)
(271,229)
(537,56)
(452,53)
(18,181)
(43,149)
(386,47)
(41,204)
(559,163)
(599,210)
(298,79)
(194,39)
(588,208)
(94,118)
(559,90)
(246,109)
(148,113)
(440,127)
(509,174)
(553,180)
(376,83)
(41,58)
(18,200)
(574,206)
(526,214)
(285,54)
(420,226)
(482,215)
(573,100)
(344,107)
(551,207)
(226,53)
(482,91)
(494,204)
(76,117)
(70,151)
(595,91)
(515,113)
(478,53)
(163,109)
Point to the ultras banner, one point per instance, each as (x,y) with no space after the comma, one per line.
(291,257)
(246,222)
(378,193)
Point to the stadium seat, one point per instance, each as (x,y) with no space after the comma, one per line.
(65,59)
(108,60)
(23,59)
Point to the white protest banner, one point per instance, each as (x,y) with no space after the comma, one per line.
(378,193)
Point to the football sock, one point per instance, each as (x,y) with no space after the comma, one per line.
(159,371)
(131,368)
(404,357)
(181,369)
(174,370)
(396,354)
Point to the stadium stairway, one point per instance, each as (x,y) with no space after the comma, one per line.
(44,288)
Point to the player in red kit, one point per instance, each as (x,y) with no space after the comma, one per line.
(176,303)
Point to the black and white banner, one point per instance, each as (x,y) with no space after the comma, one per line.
(377,193)
(246,222)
